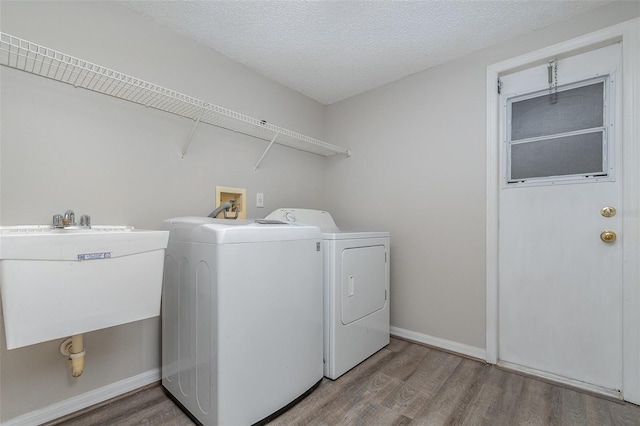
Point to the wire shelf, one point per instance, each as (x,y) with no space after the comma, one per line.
(39,60)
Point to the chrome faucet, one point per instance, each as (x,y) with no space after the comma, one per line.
(57,221)
(85,221)
(69,220)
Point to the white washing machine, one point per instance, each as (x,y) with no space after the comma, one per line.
(241,317)
(356,290)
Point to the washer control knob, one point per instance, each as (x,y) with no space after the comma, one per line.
(289,217)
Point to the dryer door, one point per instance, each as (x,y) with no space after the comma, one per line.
(363,282)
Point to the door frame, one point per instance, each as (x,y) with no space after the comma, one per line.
(628,33)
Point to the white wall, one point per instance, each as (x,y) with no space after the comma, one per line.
(418,170)
(64,148)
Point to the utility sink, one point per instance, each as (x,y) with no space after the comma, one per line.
(57,283)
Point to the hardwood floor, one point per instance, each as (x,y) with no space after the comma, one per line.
(404,384)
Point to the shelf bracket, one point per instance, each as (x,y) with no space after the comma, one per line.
(193,131)
(265,152)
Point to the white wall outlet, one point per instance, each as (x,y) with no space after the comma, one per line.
(260,199)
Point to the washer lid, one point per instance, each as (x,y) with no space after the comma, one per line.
(319,218)
(225,231)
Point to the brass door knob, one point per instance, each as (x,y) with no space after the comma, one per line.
(608,236)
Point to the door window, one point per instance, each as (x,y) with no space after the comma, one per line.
(561,136)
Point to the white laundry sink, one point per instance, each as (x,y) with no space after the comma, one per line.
(60,282)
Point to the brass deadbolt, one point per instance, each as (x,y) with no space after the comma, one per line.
(608,236)
(608,211)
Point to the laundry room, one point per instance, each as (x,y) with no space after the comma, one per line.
(406,156)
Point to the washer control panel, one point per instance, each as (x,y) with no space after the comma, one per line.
(289,217)
(319,218)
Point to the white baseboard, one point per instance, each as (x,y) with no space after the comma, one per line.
(85,400)
(448,345)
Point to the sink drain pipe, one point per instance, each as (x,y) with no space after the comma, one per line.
(73,349)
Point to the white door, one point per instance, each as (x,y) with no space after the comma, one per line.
(560,283)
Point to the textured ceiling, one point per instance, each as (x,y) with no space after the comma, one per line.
(331,50)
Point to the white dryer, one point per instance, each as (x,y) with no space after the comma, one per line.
(356,290)
(241,317)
